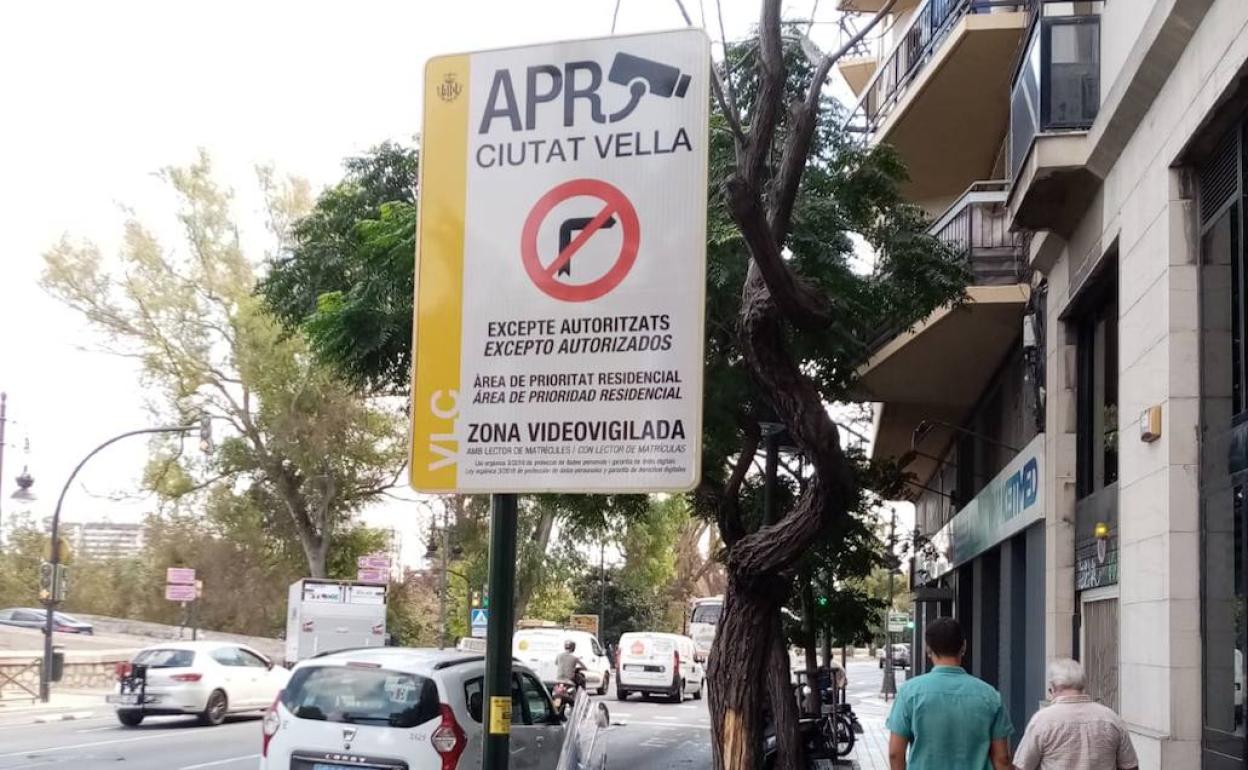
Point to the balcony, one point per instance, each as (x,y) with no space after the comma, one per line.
(941,96)
(872,6)
(978,225)
(939,368)
(1054,100)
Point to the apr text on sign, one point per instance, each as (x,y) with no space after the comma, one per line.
(561,267)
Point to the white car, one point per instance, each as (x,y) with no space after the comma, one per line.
(539,648)
(207,679)
(659,664)
(402,709)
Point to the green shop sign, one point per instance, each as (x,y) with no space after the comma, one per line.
(1007,505)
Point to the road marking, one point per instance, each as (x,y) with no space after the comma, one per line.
(91,745)
(219,762)
(667,719)
(163,734)
(700,726)
(97,729)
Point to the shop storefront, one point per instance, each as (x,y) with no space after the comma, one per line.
(986,568)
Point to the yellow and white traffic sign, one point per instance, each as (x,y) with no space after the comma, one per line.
(561,265)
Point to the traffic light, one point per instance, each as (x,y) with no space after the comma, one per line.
(47,581)
(60,583)
(476,598)
(485,597)
(822,601)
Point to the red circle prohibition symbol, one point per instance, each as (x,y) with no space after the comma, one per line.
(614,205)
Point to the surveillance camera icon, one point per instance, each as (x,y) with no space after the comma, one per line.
(644,76)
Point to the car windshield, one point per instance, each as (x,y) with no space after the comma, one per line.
(706,613)
(165,658)
(361,695)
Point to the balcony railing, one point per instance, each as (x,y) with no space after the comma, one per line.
(977,225)
(927,29)
(1057,84)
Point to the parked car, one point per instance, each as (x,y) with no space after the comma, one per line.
(207,679)
(27,617)
(402,708)
(901,656)
(538,648)
(659,664)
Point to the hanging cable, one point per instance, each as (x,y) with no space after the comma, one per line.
(615,16)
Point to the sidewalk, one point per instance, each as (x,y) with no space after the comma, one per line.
(64,705)
(871,747)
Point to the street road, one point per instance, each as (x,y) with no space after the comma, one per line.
(645,734)
(160,743)
(649,734)
(657,735)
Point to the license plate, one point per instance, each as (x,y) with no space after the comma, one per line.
(124,700)
(323,766)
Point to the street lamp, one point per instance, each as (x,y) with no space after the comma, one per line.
(45,673)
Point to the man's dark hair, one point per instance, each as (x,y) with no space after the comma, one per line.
(944,637)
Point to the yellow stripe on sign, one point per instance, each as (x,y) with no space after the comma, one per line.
(439,275)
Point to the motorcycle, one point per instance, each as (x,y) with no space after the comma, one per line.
(564,693)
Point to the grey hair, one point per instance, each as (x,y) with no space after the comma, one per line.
(1066,674)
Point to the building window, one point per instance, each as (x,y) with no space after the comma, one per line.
(1097,389)
(1223,448)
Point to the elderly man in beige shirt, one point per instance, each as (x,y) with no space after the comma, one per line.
(1074,732)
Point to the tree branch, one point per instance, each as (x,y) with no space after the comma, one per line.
(776,547)
(804,306)
(766,116)
(802,131)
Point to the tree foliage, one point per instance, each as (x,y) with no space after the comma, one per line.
(346,276)
(308,452)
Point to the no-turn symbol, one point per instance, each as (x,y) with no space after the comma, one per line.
(553,276)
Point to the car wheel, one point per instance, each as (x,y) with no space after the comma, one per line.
(620,694)
(130,717)
(881,663)
(701,687)
(606,682)
(678,696)
(214,713)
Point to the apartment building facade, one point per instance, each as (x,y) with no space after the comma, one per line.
(1079,431)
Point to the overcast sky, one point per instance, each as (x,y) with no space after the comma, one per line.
(95,97)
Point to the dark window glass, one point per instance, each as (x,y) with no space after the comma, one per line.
(535,700)
(706,613)
(227,656)
(1074,74)
(1223,294)
(361,696)
(474,696)
(1097,387)
(251,660)
(165,658)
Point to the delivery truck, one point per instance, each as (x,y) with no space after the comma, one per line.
(329,615)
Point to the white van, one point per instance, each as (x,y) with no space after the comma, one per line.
(538,648)
(659,663)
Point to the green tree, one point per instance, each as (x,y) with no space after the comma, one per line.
(307,450)
(345,277)
(24,546)
(792,314)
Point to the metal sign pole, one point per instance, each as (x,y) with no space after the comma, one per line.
(499,632)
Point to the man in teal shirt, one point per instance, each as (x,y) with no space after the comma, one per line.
(947,718)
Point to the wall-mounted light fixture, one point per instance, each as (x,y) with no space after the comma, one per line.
(1150,424)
